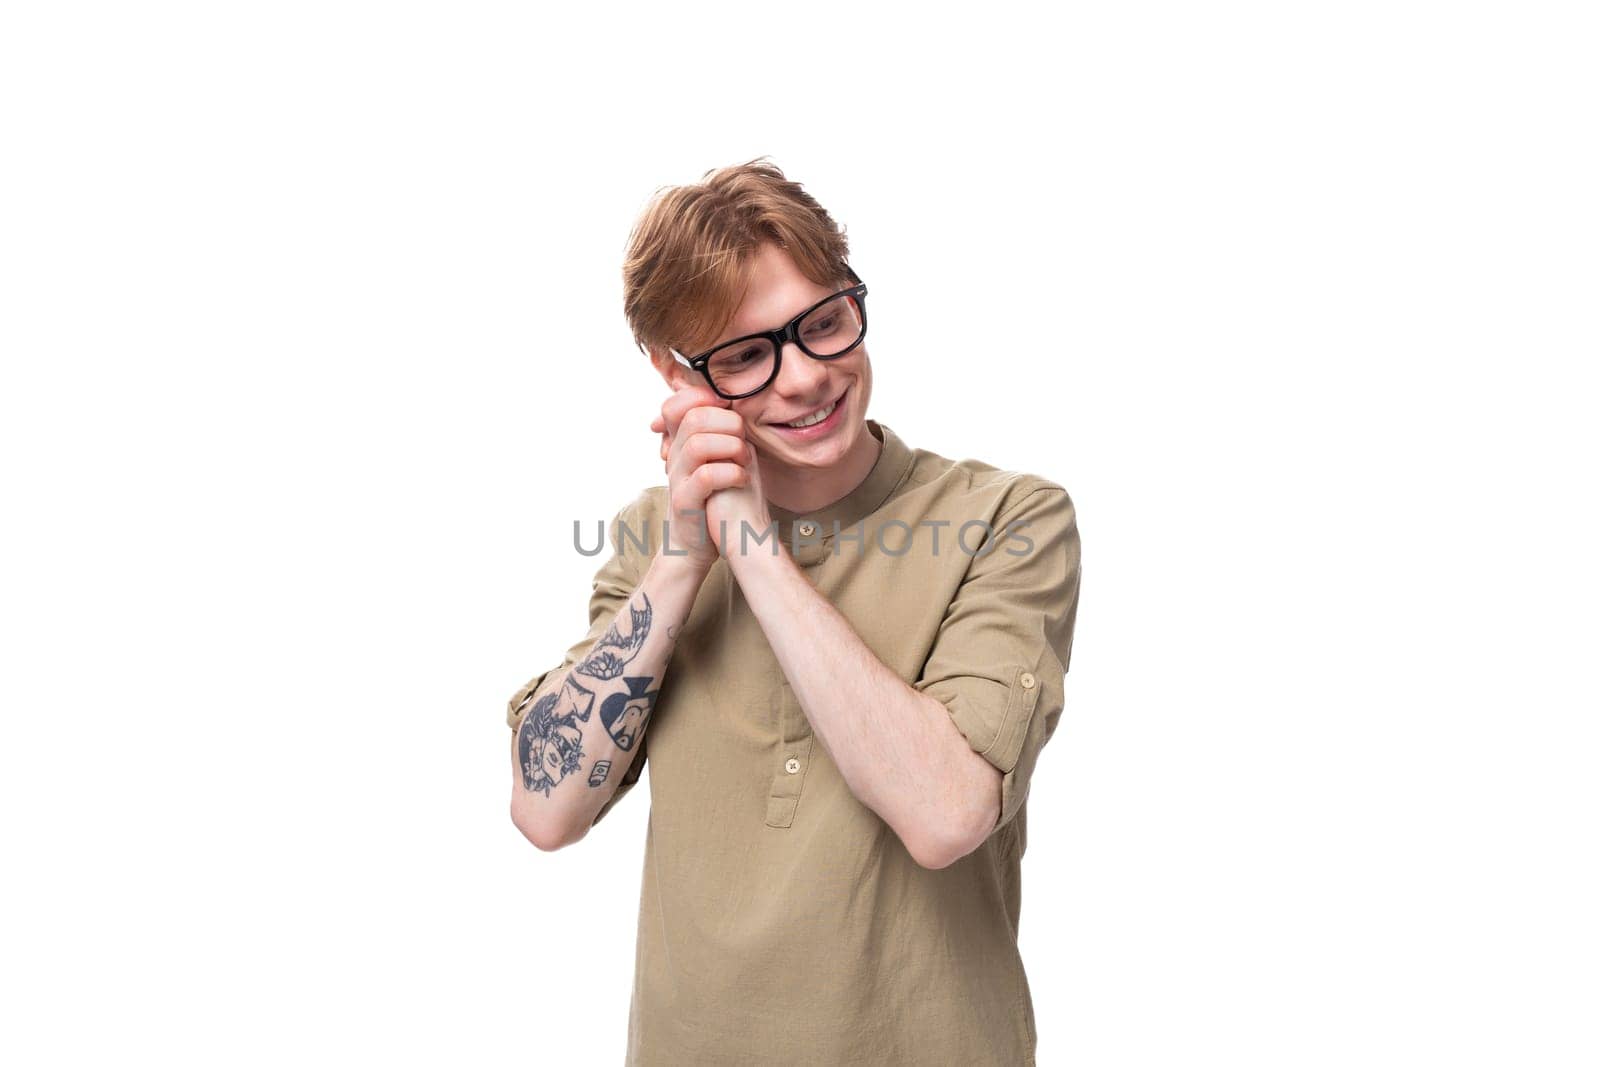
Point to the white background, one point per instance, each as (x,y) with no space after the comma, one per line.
(313,349)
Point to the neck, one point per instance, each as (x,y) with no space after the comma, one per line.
(801,490)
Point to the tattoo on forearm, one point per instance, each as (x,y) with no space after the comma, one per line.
(625,714)
(613,651)
(550,742)
(576,701)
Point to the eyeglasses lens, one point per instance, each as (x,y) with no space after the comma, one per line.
(742,367)
(831,328)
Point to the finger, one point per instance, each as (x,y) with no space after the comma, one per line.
(711,447)
(710,477)
(688,396)
(700,449)
(686,399)
(709,420)
(680,403)
(704,392)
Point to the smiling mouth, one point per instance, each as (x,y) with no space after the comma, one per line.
(816,416)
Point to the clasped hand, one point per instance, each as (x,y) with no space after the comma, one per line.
(713,479)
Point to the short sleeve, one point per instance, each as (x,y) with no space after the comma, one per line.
(1000,658)
(614,584)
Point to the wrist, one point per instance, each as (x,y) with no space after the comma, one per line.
(757,558)
(753,535)
(684,567)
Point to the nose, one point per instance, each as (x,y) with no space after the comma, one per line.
(800,376)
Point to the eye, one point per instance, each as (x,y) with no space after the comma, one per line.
(739,357)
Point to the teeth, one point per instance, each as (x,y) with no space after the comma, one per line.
(811,420)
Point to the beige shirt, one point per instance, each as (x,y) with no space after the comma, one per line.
(781,921)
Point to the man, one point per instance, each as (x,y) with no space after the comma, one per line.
(841,663)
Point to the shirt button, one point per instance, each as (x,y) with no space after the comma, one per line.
(807,529)
(793,766)
(1028,680)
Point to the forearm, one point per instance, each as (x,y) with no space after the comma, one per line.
(897,749)
(581,730)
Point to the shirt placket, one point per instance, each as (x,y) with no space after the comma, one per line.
(793,760)
(796,741)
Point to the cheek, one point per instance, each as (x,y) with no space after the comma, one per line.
(751,410)
(863,386)
(858,372)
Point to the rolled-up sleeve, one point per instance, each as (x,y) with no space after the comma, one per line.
(1000,658)
(614,583)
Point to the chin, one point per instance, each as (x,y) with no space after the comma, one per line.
(828,453)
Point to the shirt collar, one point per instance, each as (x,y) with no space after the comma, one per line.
(888,472)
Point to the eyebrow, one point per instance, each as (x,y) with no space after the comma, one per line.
(807,306)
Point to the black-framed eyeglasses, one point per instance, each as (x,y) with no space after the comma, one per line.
(832,327)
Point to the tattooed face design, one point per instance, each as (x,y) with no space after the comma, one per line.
(559,753)
(576,702)
(549,747)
